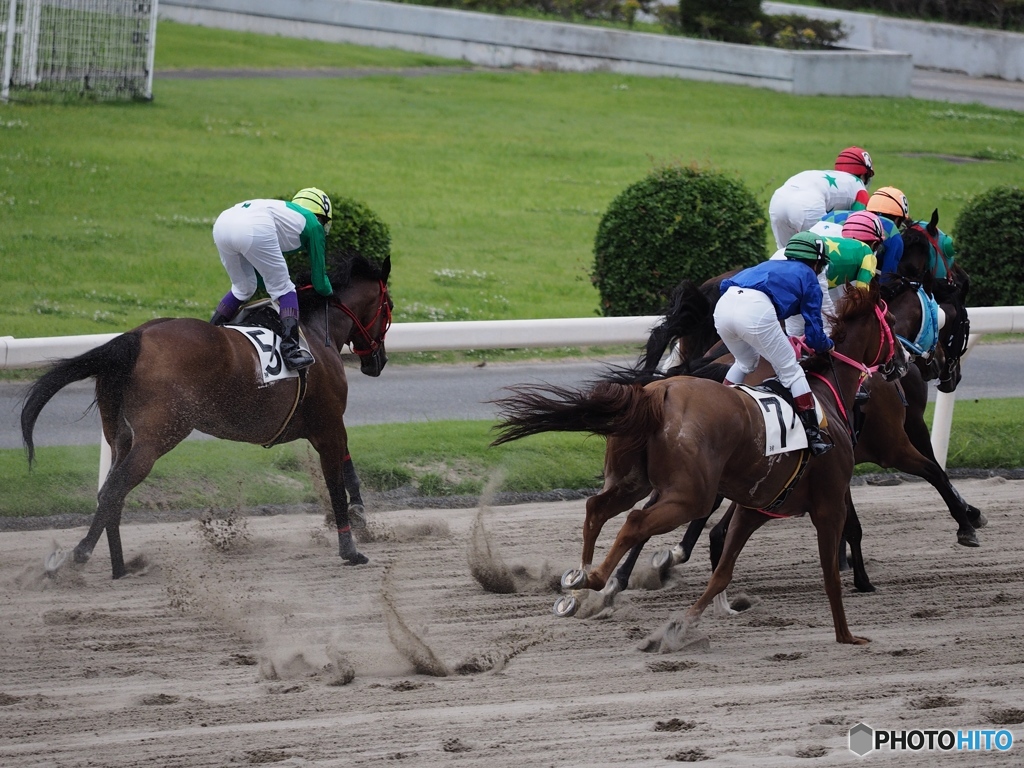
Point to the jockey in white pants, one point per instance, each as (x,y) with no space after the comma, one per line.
(253,237)
(747,318)
(804,199)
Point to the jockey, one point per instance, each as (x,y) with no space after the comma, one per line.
(891,207)
(801,202)
(747,319)
(254,236)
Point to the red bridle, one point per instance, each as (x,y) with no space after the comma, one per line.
(383,308)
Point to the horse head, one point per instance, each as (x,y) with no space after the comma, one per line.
(366,303)
(927,258)
(919,320)
(863,334)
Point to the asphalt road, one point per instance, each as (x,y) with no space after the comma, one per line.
(422,393)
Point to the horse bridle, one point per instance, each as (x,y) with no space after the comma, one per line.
(372,343)
(887,367)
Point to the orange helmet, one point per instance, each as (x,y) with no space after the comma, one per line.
(889,201)
(856,161)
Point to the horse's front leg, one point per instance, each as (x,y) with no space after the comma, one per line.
(829,523)
(332,464)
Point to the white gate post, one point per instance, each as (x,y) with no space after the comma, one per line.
(105,455)
(12,17)
(942,420)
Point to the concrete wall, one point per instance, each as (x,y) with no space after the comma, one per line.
(976,52)
(499,41)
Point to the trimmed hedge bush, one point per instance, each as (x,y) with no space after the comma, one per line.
(355,229)
(989,238)
(677,223)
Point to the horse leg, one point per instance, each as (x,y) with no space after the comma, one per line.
(829,523)
(680,553)
(717,541)
(924,465)
(667,513)
(853,533)
(356,510)
(332,465)
(620,492)
(130,470)
(673,635)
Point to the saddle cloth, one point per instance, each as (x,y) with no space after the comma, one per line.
(267,343)
(784,432)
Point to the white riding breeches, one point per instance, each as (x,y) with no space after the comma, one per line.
(791,212)
(747,322)
(247,241)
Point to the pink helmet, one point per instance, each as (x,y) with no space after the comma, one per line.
(864,226)
(856,161)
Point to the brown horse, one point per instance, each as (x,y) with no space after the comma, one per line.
(689,440)
(158,382)
(890,428)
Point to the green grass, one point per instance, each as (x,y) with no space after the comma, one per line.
(443,458)
(492,183)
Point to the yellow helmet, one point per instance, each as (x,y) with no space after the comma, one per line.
(316,201)
(889,201)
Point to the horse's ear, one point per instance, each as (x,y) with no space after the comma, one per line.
(385,269)
(933,223)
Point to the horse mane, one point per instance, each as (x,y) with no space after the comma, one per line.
(855,304)
(355,266)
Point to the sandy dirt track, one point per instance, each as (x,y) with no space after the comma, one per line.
(272,652)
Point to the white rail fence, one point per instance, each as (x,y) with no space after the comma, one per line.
(511,334)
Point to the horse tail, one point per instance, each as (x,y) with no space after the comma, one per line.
(625,411)
(111,363)
(688,318)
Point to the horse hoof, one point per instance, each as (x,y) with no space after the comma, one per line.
(81,556)
(574,578)
(864,587)
(980,521)
(565,606)
(967,539)
(358,559)
(357,516)
(55,560)
(662,563)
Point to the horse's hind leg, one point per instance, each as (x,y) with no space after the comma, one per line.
(674,634)
(131,469)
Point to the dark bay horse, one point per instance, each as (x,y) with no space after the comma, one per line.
(924,261)
(689,440)
(158,382)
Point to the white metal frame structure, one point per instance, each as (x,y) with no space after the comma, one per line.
(100,49)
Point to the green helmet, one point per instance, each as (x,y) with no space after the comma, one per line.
(316,201)
(808,247)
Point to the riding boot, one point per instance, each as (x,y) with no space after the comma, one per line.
(815,440)
(219,319)
(294,356)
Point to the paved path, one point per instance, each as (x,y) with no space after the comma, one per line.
(419,393)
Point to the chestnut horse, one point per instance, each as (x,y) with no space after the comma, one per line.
(689,440)
(158,382)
